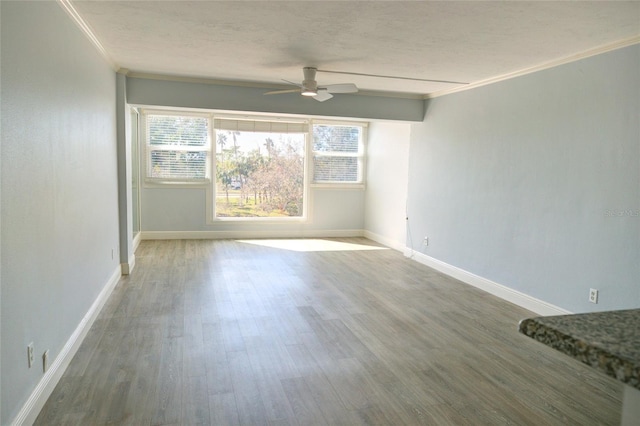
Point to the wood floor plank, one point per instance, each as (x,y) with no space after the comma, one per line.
(195,401)
(169,389)
(303,402)
(223,409)
(230,333)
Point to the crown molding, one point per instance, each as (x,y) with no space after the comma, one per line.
(540,67)
(84,27)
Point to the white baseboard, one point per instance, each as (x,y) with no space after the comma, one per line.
(225,235)
(136,241)
(30,410)
(384,240)
(127,268)
(523,300)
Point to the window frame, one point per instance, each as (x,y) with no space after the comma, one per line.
(360,155)
(174,182)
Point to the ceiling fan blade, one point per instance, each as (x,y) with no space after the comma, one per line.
(278,92)
(341,88)
(293,84)
(323,95)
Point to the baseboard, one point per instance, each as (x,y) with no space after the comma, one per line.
(127,268)
(30,410)
(136,241)
(384,241)
(226,235)
(523,300)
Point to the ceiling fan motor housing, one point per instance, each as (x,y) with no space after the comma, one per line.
(309,84)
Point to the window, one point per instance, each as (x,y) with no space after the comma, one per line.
(254,167)
(260,169)
(338,152)
(177,148)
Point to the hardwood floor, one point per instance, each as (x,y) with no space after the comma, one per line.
(227,332)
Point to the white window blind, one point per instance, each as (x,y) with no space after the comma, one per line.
(260,126)
(178,147)
(338,152)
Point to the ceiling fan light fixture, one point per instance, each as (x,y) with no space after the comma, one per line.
(309,87)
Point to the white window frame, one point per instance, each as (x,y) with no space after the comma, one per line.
(360,155)
(150,181)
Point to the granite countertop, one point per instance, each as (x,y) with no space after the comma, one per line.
(608,341)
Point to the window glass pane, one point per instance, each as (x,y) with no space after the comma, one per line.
(259,174)
(328,138)
(335,169)
(178,164)
(176,130)
(177,147)
(337,153)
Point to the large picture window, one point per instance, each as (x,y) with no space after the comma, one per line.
(260,169)
(177,148)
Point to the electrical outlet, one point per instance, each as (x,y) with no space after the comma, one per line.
(30,354)
(45,361)
(593,295)
(425,242)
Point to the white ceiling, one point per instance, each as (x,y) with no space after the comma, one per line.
(266,41)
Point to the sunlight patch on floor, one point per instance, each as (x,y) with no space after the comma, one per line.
(311,245)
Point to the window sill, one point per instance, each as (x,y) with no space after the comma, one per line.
(270,220)
(350,186)
(160,183)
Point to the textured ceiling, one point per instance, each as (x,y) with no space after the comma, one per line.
(266,41)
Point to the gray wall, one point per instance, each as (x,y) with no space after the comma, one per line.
(183,210)
(145,91)
(59,187)
(534,182)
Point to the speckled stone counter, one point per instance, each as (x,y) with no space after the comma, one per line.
(608,341)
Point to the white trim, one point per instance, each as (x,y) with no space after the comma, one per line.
(75,16)
(30,410)
(224,235)
(136,241)
(127,268)
(538,306)
(395,245)
(540,67)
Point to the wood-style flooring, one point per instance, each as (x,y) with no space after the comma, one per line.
(233,333)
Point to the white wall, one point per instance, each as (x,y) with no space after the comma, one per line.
(534,182)
(59,188)
(387,180)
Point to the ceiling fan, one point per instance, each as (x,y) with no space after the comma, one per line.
(309,87)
